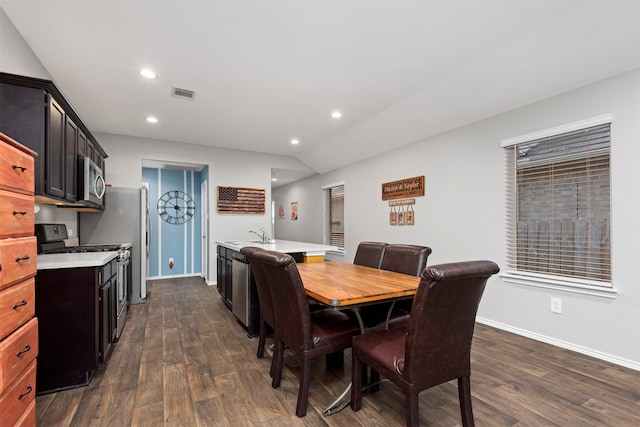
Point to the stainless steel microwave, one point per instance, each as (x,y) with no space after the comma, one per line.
(91,184)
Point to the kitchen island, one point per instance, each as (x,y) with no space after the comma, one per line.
(311,252)
(235,282)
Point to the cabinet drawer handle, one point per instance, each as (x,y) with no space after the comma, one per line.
(29,389)
(22,168)
(26,348)
(24,258)
(19,212)
(20,304)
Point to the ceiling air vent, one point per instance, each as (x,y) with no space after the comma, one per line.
(183,93)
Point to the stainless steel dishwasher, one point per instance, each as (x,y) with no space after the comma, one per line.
(240,282)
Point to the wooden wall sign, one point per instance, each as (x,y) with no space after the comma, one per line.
(410,187)
(236,200)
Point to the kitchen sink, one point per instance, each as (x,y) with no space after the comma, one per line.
(246,243)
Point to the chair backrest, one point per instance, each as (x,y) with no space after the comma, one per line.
(290,304)
(262,286)
(407,259)
(370,254)
(438,346)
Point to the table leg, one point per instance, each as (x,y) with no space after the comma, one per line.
(344,399)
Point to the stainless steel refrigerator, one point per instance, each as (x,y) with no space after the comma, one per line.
(124,219)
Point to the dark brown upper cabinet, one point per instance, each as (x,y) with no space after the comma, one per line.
(34,113)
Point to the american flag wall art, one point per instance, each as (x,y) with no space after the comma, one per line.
(237,200)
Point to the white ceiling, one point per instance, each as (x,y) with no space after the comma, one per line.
(268,71)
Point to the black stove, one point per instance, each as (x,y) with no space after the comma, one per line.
(51,241)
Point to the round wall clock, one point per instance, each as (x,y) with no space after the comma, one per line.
(176,207)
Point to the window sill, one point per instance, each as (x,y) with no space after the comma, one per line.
(559,285)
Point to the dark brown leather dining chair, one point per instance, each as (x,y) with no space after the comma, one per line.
(309,334)
(436,347)
(267,317)
(370,254)
(406,259)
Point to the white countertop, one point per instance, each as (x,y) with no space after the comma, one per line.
(76,260)
(286,246)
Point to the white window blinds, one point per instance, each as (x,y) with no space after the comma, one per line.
(559,206)
(334,216)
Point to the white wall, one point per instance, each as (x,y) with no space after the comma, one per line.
(16,57)
(308,226)
(233,168)
(462,215)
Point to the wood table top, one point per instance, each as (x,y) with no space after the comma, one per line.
(340,284)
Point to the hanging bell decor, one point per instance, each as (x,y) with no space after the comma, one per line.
(402,212)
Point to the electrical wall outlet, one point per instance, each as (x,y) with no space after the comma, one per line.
(556,305)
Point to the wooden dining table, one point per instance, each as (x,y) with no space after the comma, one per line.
(345,286)
(342,285)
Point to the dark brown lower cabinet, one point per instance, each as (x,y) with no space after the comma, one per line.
(76,308)
(224,274)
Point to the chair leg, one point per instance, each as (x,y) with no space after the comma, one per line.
(279,361)
(356,386)
(411,403)
(464,394)
(303,392)
(262,338)
(274,358)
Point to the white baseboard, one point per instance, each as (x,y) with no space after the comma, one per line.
(173,276)
(562,344)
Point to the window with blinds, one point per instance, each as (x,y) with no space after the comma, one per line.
(334,216)
(559,206)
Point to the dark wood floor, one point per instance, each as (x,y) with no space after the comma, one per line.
(183,360)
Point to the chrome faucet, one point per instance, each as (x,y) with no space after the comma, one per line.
(264,237)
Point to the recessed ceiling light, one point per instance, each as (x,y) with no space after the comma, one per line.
(295,141)
(148,73)
(152,120)
(336,114)
(274,179)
